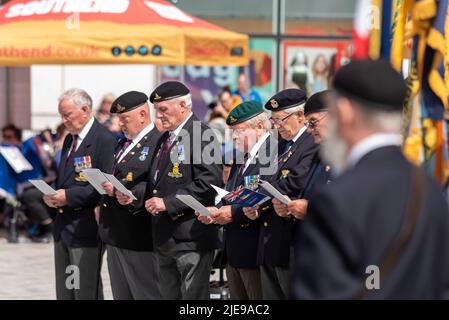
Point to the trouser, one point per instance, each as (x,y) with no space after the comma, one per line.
(32,199)
(76,273)
(275,282)
(244,284)
(185,274)
(133,274)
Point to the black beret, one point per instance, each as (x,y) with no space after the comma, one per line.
(168,90)
(316,102)
(128,101)
(288,98)
(373,82)
(243,112)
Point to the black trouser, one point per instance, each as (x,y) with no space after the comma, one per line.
(32,199)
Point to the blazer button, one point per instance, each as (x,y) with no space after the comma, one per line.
(105,205)
(61,211)
(265,224)
(154,191)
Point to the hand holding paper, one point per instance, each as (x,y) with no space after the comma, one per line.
(43,187)
(193,203)
(273,191)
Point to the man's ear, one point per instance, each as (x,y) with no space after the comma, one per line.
(345,113)
(85,109)
(183,106)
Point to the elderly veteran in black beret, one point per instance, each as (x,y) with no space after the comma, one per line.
(319,174)
(250,125)
(187,160)
(296,152)
(379,231)
(125,227)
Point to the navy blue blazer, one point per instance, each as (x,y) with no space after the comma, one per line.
(75,223)
(354,221)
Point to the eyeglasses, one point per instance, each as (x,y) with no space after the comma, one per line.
(312,123)
(278,122)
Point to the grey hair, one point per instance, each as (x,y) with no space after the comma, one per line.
(187,99)
(379,120)
(383,121)
(79,97)
(295,109)
(263,117)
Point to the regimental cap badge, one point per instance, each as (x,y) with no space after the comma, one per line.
(232,119)
(157,97)
(274,103)
(120,108)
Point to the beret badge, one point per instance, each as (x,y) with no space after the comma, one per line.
(274,103)
(120,108)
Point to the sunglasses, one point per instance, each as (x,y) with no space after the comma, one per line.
(312,123)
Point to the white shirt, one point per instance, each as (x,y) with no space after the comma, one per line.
(175,133)
(370,143)
(136,140)
(82,135)
(255,150)
(295,138)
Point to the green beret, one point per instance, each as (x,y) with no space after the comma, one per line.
(243,112)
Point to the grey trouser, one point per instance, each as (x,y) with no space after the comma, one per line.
(244,284)
(76,273)
(133,274)
(185,274)
(275,282)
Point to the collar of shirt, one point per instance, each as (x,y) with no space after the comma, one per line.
(176,132)
(136,140)
(370,143)
(255,150)
(84,132)
(303,129)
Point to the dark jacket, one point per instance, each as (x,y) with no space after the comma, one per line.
(75,223)
(290,179)
(129,227)
(178,228)
(355,220)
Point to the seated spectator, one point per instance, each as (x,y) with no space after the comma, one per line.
(244,90)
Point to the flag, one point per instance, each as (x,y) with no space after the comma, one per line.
(430,99)
(362,27)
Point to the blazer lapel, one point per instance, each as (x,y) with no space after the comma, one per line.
(169,166)
(83,148)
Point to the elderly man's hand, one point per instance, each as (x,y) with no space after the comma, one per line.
(207,219)
(155,205)
(251,212)
(57,200)
(223,215)
(49,201)
(280,208)
(108,187)
(123,199)
(298,208)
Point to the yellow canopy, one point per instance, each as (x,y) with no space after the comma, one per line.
(113,32)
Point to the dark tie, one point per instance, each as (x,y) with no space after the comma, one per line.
(241,169)
(163,154)
(72,150)
(119,154)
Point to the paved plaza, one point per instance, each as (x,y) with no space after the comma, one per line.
(27,271)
